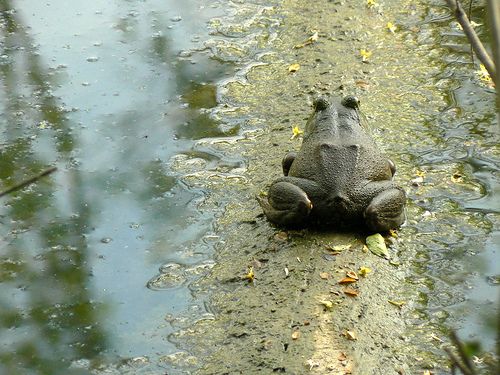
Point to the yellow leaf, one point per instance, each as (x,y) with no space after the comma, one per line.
(371,3)
(293,68)
(399,304)
(365,55)
(363,271)
(295,335)
(420,173)
(483,74)
(427,372)
(391,27)
(296,132)
(250,275)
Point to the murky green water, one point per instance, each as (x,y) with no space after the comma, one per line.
(106,91)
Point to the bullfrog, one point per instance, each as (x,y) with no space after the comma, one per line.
(338,177)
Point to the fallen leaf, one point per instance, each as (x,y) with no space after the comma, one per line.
(308,41)
(393,233)
(281,236)
(427,372)
(420,173)
(293,68)
(391,27)
(352,274)
(324,275)
(417,181)
(342,357)
(350,335)
(362,84)
(338,248)
(250,275)
(351,292)
(347,280)
(371,3)
(399,304)
(365,55)
(296,132)
(376,244)
(363,271)
(483,74)
(295,335)
(328,304)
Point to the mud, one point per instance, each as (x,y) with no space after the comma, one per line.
(280,323)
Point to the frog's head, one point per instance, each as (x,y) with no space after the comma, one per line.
(329,117)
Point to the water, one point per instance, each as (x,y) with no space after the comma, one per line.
(108,92)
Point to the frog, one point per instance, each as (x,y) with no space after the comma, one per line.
(338,178)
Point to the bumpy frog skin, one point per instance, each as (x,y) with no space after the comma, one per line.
(338,177)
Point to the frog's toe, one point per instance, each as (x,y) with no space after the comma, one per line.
(386,210)
(287,204)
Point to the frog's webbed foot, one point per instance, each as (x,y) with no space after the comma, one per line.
(386,210)
(287,161)
(286,204)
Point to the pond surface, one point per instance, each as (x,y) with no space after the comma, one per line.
(108,92)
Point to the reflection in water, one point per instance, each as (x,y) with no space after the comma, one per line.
(47,314)
(116,101)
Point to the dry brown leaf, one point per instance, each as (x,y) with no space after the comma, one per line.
(352,275)
(281,236)
(347,280)
(351,292)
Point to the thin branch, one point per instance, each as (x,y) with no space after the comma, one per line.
(28,181)
(494,13)
(461,350)
(476,44)
(456,363)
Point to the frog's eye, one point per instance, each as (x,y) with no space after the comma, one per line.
(321,104)
(350,102)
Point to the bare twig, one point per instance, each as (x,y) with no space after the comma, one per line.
(494,13)
(476,44)
(461,350)
(456,363)
(28,181)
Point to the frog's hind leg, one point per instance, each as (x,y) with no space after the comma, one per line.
(286,204)
(287,161)
(386,210)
